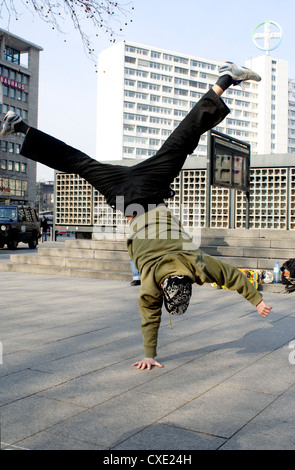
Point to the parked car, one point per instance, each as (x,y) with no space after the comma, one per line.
(18,224)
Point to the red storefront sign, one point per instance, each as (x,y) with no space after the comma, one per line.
(12,83)
(3,189)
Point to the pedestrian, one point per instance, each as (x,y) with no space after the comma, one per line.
(44,226)
(135,275)
(167,259)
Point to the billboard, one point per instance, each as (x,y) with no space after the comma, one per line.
(229,162)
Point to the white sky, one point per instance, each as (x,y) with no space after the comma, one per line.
(67,91)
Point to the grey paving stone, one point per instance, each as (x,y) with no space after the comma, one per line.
(28,416)
(25,383)
(221,411)
(46,441)
(97,387)
(271,374)
(164,437)
(272,429)
(114,421)
(67,383)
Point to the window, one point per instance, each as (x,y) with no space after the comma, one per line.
(181,70)
(128,127)
(128,104)
(193,83)
(153,130)
(10,165)
(12,55)
(154,142)
(179,91)
(23,167)
(3,164)
(18,189)
(3,146)
(154,98)
(178,112)
(131,60)
(24,188)
(141,129)
(128,150)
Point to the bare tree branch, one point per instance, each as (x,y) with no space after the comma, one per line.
(102,16)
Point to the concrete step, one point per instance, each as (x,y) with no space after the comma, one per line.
(109,259)
(250,252)
(251,263)
(84,253)
(109,245)
(273,288)
(251,233)
(65,271)
(31,268)
(65,262)
(249,242)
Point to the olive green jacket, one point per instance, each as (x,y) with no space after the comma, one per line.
(160,248)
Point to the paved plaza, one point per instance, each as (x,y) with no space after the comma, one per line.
(67,344)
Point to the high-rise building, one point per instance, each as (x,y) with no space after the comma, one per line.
(272,104)
(291,116)
(144,92)
(19,81)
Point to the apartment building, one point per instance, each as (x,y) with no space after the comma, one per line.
(19,81)
(144,92)
(291,116)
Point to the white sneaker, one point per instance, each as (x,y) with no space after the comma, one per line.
(238,74)
(9,121)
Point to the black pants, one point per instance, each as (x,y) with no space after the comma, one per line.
(148,182)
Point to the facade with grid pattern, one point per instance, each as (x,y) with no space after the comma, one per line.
(271,202)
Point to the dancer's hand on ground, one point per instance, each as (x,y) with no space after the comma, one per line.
(147,362)
(263,309)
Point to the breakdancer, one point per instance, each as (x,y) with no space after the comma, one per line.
(167,259)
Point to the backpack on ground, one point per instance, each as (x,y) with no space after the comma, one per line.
(288,275)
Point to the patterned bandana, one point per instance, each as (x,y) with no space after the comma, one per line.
(177,293)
